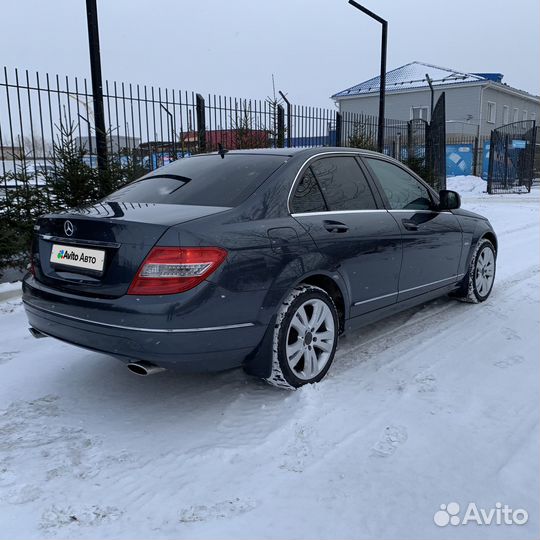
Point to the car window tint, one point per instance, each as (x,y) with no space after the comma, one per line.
(202,180)
(403,191)
(307,195)
(343,184)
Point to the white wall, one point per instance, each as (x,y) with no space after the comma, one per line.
(512,102)
(462,107)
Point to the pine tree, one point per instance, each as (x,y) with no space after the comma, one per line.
(70,181)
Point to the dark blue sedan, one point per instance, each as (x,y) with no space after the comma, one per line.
(259,259)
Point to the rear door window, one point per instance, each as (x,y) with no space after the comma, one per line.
(202,180)
(343,184)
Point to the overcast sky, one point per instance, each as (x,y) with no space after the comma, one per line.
(314,48)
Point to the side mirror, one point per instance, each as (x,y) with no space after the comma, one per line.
(449,200)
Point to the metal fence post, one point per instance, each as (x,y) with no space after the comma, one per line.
(429,151)
(339,127)
(491,161)
(289,115)
(534,142)
(201,122)
(289,124)
(506,141)
(475,157)
(436,146)
(409,140)
(280,126)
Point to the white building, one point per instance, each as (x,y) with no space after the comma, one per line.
(476,103)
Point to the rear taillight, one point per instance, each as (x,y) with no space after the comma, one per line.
(169,270)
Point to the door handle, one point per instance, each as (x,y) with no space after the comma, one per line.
(409,225)
(335,226)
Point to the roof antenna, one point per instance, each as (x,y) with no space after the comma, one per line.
(221,151)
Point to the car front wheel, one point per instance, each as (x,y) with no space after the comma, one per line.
(305,338)
(478,282)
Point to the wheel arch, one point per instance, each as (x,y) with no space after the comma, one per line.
(489,235)
(481,232)
(331,286)
(259,362)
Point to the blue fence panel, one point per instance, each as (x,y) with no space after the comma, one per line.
(485,160)
(459,159)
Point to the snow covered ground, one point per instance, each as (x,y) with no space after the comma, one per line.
(435,405)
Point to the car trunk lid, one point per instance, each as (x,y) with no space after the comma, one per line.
(97,250)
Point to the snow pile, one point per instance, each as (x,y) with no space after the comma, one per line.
(10,287)
(467,185)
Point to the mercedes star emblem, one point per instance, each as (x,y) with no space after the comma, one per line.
(68,228)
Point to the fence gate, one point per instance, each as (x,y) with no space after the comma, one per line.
(511,158)
(436,146)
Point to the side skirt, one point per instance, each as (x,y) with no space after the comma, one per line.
(382,313)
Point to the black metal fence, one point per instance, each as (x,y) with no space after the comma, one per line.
(402,139)
(511,158)
(151,126)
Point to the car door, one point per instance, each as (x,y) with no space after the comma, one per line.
(432,240)
(334,202)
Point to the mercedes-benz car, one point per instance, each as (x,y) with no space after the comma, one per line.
(259,259)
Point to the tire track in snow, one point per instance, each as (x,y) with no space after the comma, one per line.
(380,343)
(340,392)
(255,414)
(510,232)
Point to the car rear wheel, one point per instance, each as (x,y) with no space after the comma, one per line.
(305,338)
(478,282)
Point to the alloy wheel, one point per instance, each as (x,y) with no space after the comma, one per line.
(310,339)
(484,271)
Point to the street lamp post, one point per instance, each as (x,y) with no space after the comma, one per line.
(97,84)
(382,89)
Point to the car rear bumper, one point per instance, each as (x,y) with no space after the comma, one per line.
(201,348)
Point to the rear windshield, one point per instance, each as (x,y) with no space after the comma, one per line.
(202,180)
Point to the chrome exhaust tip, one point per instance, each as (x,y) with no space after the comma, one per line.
(36,333)
(143,369)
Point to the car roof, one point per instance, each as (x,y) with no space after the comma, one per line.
(289,152)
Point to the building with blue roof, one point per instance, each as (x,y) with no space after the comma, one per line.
(476,103)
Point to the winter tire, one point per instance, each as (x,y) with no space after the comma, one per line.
(478,282)
(305,338)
